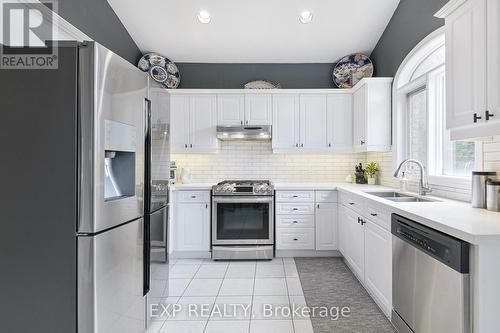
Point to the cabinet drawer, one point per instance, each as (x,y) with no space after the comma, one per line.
(298,208)
(294,221)
(352,202)
(295,239)
(326,196)
(193,196)
(294,196)
(379,215)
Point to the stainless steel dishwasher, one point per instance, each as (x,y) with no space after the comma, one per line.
(431,282)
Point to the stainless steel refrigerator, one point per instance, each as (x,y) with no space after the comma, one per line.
(157,158)
(74,149)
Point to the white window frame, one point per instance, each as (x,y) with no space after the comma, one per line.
(401,88)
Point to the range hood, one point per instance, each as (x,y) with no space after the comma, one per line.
(244,132)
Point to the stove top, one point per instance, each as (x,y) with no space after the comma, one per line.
(244,187)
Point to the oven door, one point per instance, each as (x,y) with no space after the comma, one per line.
(244,220)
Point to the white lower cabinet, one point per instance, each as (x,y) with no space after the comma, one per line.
(191,220)
(306,220)
(355,243)
(366,244)
(378,264)
(326,226)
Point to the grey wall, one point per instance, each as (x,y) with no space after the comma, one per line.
(411,22)
(228,76)
(97,19)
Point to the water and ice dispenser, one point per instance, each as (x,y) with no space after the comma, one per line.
(119,160)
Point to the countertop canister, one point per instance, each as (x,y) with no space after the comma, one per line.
(479,179)
(493,195)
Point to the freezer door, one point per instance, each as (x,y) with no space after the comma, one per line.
(110,281)
(112,111)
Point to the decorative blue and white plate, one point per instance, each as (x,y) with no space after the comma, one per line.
(161,69)
(351,69)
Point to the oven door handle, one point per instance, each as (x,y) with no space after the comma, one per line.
(242,199)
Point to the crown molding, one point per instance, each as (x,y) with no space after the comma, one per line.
(449,8)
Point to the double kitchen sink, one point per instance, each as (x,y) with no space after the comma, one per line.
(400,197)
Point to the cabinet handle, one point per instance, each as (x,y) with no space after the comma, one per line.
(295,239)
(329,145)
(362,221)
(246,122)
(362,142)
(297,145)
(295,222)
(295,209)
(359,219)
(488,115)
(318,205)
(193,197)
(191,146)
(476,117)
(295,196)
(241,122)
(206,205)
(185,145)
(373,214)
(351,203)
(302,145)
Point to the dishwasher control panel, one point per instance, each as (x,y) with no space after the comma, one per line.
(445,248)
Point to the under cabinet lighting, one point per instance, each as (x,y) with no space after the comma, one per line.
(306,17)
(204,16)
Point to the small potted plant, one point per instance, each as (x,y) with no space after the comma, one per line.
(371,171)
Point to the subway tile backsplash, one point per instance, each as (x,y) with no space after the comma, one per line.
(255,160)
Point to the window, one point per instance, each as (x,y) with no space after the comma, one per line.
(419,117)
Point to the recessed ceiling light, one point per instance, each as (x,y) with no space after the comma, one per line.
(306,17)
(204,16)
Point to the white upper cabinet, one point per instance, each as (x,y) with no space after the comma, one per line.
(240,109)
(286,132)
(193,124)
(313,122)
(339,122)
(179,124)
(472,68)
(230,109)
(372,115)
(258,109)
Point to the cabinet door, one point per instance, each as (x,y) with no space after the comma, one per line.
(359,119)
(326,226)
(179,124)
(230,109)
(203,120)
(378,264)
(193,227)
(355,243)
(493,56)
(466,64)
(339,122)
(313,122)
(285,122)
(258,109)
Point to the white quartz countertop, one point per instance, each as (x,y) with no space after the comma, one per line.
(452,217)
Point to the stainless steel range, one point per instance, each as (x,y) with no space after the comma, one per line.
(243,219)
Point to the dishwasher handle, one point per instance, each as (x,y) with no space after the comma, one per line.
(449,250)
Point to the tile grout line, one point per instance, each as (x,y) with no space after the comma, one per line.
(253,294)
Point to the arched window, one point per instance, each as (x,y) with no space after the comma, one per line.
(419,116)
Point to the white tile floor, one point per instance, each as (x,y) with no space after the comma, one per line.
(220,297)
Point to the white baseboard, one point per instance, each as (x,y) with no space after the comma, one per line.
(306,253)
(190,255)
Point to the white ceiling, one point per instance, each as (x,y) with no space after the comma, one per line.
(261,31)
